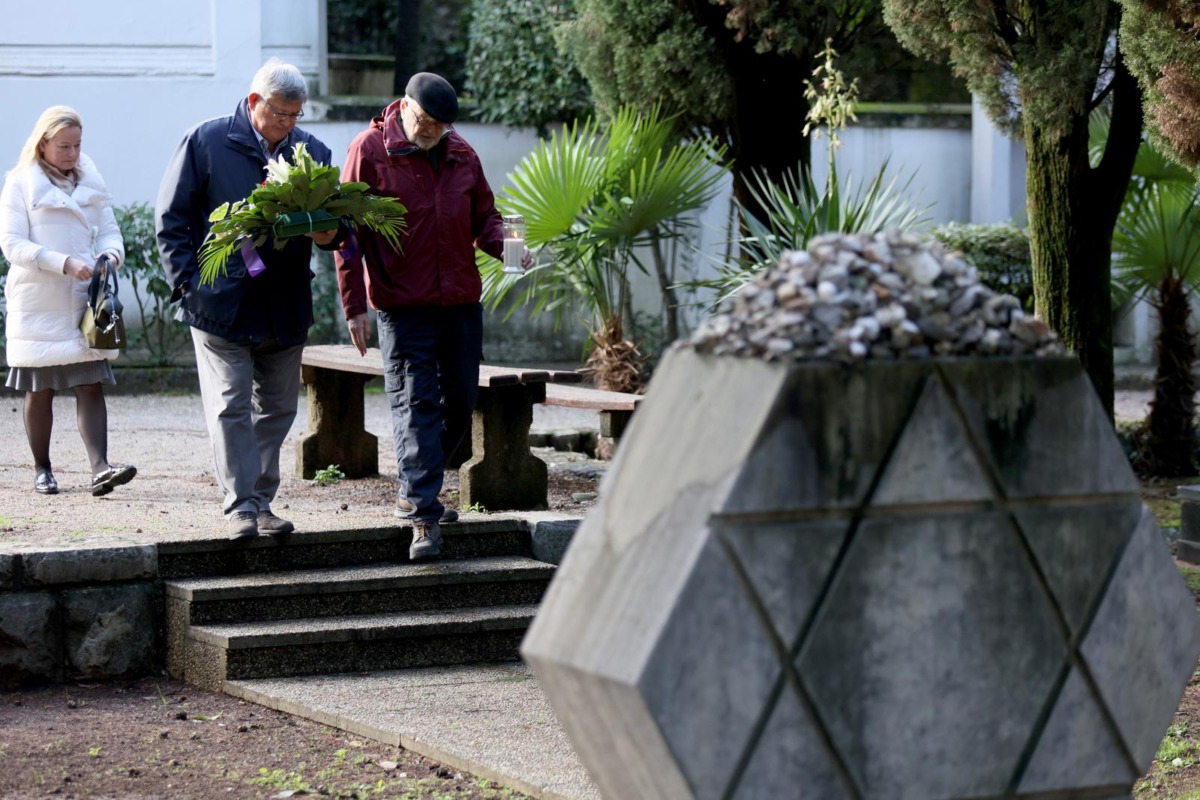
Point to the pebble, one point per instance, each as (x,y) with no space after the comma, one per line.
(853,297)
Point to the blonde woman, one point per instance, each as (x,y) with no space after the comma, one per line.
(56,220)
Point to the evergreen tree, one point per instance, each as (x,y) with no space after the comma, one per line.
(515,70)
(1161,43)
(1040,67)
(732,68)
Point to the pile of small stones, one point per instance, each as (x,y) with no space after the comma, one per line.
(888,295)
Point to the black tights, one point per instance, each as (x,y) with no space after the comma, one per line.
(91,414)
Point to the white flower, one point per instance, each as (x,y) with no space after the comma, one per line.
(278,169)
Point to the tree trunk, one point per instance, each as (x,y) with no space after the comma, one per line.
(1073,209)
(1071,252)
(1171,440)
(666,287)
(766,134)
(408,44)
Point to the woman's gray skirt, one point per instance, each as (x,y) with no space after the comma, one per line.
(60,376)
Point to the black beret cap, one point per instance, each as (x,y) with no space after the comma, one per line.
(434,94)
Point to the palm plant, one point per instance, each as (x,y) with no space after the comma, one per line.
(595,202)
(794,209)
(1157,242)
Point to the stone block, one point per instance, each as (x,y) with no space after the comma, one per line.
(502,474)
(905,579)
(1142,646)
(110,630)
(93,565)
(550,539)
(29,638)
(567,441)
(1188,547)
(8,564)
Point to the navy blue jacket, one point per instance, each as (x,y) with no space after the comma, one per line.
(220,161)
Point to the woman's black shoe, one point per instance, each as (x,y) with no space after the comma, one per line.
(103,483)
(44,483)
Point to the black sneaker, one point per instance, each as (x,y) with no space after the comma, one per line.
(243,525)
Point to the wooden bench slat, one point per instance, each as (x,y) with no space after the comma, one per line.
(345,358)
(569,396)
(505,376)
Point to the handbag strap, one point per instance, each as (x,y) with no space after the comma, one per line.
(100,276)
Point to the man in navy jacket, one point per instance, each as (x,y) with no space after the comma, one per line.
(249,327)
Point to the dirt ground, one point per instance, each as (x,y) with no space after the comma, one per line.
(1175,774)
(157,738)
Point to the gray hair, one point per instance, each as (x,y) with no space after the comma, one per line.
(277,79)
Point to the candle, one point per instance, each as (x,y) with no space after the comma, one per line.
(514,242)
(514,251)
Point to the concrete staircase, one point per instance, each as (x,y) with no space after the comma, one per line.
(347,601)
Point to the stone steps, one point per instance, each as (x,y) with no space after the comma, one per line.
(375,588)
(309,550)
(357,643)
(349,602)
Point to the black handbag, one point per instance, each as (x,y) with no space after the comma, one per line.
(102,326)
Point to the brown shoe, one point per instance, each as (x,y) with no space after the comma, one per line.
(426,542)
(243,525)
(273,525)
(404,508)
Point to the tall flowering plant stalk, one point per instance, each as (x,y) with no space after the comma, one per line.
(297,197)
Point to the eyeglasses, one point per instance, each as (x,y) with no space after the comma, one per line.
(422,121)
(292,115)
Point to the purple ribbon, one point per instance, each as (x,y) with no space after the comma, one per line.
(254,264)
(349,249)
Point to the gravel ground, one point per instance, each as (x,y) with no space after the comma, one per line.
(175,497)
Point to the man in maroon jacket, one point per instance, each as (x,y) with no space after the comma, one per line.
(427,295)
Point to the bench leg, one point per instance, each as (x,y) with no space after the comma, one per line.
(335,426)
(502,474)
(612,428)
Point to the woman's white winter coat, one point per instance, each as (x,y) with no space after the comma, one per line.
(40,225)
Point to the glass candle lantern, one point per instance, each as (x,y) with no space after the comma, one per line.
(514,242)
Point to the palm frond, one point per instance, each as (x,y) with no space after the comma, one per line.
(552,186)
(795,210)
(1158,239)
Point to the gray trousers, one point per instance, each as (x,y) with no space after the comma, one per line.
(249,393)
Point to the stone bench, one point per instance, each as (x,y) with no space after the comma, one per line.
(616,408)
(500,475)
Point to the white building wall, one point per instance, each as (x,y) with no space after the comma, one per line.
(935,163)
(140,72)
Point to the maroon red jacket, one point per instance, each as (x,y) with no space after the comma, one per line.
(449,213)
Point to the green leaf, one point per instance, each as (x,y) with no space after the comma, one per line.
(302,185)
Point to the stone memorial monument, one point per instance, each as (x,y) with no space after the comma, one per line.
(870,535)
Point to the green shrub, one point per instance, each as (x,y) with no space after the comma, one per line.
(516,73)
(160,337)
(1000,252)
(329,320)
